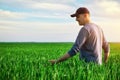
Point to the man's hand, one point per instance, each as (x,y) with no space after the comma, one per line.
(106,55)
(63,58)
(52,62)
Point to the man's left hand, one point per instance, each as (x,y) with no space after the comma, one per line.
(52,61)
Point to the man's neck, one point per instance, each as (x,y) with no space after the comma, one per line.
(87,22)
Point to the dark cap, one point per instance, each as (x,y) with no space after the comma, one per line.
(80,10)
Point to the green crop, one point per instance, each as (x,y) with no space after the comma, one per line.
(29,61)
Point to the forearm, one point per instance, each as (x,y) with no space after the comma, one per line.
(106,48)
(65,57)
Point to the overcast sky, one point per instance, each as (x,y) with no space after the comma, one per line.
(50,21)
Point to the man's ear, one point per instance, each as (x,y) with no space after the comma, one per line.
(85,15)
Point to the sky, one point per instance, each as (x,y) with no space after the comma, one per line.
(50,21)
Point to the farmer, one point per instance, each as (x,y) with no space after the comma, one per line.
(89,42)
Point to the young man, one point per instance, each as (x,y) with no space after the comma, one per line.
(90,40)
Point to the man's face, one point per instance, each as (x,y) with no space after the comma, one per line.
(80,18)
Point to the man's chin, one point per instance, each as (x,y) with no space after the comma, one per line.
(81,24)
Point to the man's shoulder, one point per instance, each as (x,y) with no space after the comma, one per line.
(91,26)
(88,27)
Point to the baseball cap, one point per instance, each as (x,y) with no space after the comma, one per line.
(80,10)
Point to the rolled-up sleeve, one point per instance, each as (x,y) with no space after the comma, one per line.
(80,40)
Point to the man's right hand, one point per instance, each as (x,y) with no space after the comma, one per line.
(106,55)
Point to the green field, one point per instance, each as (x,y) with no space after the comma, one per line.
(29,61)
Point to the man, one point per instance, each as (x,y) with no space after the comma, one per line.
(89,42)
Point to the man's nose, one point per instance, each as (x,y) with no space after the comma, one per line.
(76,19)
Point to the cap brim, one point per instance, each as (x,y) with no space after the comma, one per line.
(73,15)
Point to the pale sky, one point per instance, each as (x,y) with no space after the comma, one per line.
(50,21)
